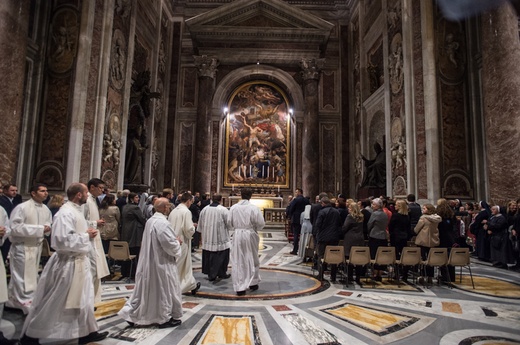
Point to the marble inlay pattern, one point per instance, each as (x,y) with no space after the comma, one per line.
(402,301)
(314,334)
(489,286)
(451,307)
(480,337)
(502,313)
(228,329)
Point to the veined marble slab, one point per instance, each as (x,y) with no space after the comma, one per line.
(313,334)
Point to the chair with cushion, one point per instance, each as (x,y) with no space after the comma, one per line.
(460,257)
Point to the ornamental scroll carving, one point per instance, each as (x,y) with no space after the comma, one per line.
(311,68)
(206,66)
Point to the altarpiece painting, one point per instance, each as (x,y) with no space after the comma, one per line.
(257,137)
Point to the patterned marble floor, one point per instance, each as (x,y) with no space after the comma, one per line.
(292,307)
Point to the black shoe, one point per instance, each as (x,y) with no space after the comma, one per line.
(225,276)
(194,291)
(293,253)
(26,340)
(131,323)
(358,281)
(241,293)
(92,337)
(253,287)
(170,323)
(378,278)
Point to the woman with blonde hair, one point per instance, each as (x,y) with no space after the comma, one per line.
(399,227)
(110,213)
(427,236)
(353,236)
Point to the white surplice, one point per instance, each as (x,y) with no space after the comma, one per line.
(99,262)
(246,219)
(214,227)
(4,221)
(63,305)
(157,295)
(182,224)
(27,223)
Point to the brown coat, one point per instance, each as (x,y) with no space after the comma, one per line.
(427,231)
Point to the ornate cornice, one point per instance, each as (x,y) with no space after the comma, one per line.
(206,65)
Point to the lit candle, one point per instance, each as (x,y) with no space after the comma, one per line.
(233,187)
(278,189)
(250,171)
(263,171)
(268,171)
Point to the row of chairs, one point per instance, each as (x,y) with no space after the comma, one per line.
(410,257)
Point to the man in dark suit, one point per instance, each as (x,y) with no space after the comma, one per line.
(294,211)
(8,201)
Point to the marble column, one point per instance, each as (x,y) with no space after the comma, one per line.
(207,70)
(501,102)
(311,70)
(14,24)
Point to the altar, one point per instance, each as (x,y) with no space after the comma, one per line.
(261,200)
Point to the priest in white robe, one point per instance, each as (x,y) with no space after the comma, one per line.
(63,306)
(246,219)
(157,297)
(91,210)
(184,228)
(4,232)
(29,221)
(214,227)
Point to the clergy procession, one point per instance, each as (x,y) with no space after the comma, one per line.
(59,303)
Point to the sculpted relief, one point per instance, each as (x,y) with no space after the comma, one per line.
(118,60)
(395,64)
(63,44)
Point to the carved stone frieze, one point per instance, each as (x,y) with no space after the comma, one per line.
(112,141)
(399,188)
(123,8)
(162,58)
(311,68)
(206,65)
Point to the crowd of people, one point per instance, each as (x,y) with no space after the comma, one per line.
(160,231)
(491,232)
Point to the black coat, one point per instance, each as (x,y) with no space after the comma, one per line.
(132,225)
(328,225)
(399,228)
(296,207)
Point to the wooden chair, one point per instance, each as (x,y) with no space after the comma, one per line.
(334,255)
(459,257)
(359,256)
(384,256)
(410,256)
(119,251)
(437,257)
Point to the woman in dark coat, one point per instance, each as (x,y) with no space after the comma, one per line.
(477,228)
(132,228)
(446,234)
(399,227)
(496,227)
(353,230)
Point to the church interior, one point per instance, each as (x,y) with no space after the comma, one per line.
(359,97)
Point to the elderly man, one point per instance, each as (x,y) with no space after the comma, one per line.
(29,221)
(157,297)
(377,235)
(91,210)
(184,228)
(246,219)
(63,306)
(214,228)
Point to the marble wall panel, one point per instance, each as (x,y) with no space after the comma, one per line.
(329,92)
(215,139)
(189,87)
(186,146)
(328,138)
(418,86)
(298,150)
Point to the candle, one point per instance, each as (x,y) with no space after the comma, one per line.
(278,189)
(174,182)
(268,171)
(250,171)
(263,171)
(233,187)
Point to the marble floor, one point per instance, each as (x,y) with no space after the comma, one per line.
(292,307)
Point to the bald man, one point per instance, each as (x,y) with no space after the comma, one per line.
(157,297)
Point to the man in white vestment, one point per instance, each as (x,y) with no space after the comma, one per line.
(63,306)
(157,297)
(214,228)
(184,228)
(99,264)
(29,221)
(4,232)
(246,219)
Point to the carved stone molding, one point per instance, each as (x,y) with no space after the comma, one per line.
(206,66)
(311,68)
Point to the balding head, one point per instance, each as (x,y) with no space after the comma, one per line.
(162,205)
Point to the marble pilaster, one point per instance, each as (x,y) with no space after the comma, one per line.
(310,73)
(501,102)
(14,23)
(207,70)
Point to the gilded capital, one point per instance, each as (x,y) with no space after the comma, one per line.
(206,66)
(311,68)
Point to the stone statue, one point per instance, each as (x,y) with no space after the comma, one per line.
(134,156)
(375,169)
(140,92)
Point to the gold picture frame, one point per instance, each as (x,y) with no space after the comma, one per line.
(258,136)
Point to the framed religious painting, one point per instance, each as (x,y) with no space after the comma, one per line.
(258,137)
